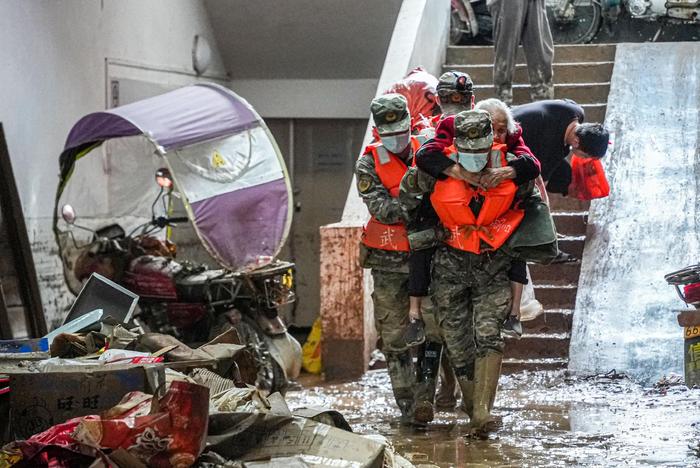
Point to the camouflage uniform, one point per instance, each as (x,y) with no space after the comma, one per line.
(414,186)
(389,272)
(472,297)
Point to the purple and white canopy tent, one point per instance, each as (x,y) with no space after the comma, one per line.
(227,168)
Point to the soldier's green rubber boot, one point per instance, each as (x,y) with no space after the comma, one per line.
(402,375)
(446,398)
(429,364)
(487,370)
(467,387)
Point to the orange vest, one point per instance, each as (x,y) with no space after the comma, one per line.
(496,220)
(390,169)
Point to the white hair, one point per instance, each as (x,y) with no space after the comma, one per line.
(497,107)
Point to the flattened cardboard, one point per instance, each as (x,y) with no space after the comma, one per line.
(257,436)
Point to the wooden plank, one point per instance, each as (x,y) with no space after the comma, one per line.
(19,243)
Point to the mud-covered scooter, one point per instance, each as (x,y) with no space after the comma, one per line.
(221,190)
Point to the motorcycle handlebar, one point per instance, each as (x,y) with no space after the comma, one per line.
(162,221)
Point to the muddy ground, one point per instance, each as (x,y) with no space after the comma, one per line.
(550,419)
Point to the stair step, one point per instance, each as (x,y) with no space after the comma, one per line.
(572,245)
(576,72)
(550,321)
(559,296)
(545,345)
(594,113)
(562,54)
(582,93)
(570,223)
(567,273)
(559,202)
(511,366)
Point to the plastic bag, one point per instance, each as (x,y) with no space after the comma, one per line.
(530,307)
(418,87)
(588,179)
(170,432)
(311,351)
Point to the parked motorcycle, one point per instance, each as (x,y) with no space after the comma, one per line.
(221,167)
(571,21)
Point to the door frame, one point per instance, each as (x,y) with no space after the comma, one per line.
(16,231)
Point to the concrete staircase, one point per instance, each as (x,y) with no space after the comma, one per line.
(581,73)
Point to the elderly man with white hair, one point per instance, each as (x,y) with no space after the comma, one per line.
(506,130)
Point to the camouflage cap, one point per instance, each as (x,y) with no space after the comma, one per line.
(454,81)
(473,131)
(390,113)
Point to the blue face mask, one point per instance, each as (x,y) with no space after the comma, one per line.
(396,143)
(473,162)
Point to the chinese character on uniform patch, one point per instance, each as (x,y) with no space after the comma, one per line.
(387,237)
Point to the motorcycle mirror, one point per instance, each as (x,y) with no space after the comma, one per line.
(163,178)
(68,214)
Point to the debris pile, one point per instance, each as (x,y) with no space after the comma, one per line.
(116,398)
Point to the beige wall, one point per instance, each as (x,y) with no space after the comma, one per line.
(53,55)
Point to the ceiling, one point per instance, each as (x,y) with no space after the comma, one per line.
(303,39)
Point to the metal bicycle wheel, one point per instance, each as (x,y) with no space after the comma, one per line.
(457,28)
(573,21)
(270,377)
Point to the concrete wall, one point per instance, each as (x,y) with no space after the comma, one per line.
(55,58)
(419,38)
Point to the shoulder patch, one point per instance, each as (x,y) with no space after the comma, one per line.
(364,183)
(412,178)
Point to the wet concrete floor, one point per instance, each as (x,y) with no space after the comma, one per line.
(550,419)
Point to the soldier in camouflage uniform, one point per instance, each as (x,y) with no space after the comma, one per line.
(471,287)
(454,93)
(384,246)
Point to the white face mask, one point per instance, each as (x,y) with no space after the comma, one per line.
(473,162)
(396,143)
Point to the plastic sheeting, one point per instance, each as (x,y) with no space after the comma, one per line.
(649,225)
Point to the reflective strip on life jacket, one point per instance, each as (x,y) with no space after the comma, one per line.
(496,220)
(390,170)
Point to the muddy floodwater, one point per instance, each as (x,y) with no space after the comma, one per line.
(549,419)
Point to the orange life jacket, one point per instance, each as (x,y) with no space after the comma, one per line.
(390,169)
(496,220)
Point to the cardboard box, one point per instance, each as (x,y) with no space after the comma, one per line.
(39,400)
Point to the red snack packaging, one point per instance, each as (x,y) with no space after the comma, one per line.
(588,179)
(167,433)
